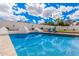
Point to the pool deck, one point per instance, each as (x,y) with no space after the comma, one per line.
(61,33)
(72,34)
(6,46)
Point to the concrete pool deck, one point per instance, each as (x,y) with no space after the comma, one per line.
(6,46)
(72,34)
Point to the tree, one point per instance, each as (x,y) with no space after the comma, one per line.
(50,23)
(59,22)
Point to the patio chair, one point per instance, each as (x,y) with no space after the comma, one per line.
(49,30)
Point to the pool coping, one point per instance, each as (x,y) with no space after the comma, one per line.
(60,33)
(70,34)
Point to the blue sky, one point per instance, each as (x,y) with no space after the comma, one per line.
(43,12)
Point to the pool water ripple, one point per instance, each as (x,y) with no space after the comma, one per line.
(40,44)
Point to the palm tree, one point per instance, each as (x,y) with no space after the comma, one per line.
(59,22)
(63,23)
(50,23)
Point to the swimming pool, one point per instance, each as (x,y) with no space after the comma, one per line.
(41,44)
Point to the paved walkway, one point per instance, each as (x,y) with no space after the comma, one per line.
(6,46)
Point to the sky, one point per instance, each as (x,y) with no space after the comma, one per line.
(39,12)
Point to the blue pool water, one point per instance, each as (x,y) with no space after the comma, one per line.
(41,44)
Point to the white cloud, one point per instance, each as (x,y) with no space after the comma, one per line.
(57,14)
(34,21)
(77,7)
(51,12)
(74,16)
(65,8)
(41,21)
(35,9)
(20,10)
(6,12)
(40,10)
(19,17)
(47,12)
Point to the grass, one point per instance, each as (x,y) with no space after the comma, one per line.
(65,31)
(61,31)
